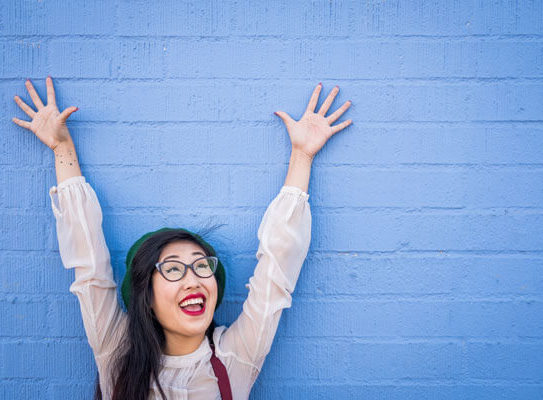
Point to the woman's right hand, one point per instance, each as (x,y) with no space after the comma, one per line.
(48,124)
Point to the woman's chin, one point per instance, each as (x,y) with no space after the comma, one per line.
(193,327)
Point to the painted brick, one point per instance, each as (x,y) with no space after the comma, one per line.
(421,102)
(21,232)
(82,58)
(24,148)
(426,361)
(58,18)
(301,390)
(507,361)
(179,145)
(47,359)
(439,274)
(419,318)
(19,389)
(160,187)
(441,187)
(367,361)
(29,55)
(140,59)
(165,20)
(342,18)
(28,316)
(65,317)
(33,273)
(423,277)
(393,231)
(22,188)
(72,390)
(396,391)
(455,144)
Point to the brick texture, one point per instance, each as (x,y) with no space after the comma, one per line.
(424,277)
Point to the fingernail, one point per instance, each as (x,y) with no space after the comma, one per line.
(320,83)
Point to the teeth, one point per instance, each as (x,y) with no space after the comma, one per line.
(198,300)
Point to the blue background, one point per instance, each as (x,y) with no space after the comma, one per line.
(424,278)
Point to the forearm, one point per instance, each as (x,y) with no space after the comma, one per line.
(66,162)
(299,171)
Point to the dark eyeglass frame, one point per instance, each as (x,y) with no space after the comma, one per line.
(159,265)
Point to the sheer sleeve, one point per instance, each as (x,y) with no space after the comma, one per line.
(82,246)
(284,236)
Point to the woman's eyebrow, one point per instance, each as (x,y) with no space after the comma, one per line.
(176,256)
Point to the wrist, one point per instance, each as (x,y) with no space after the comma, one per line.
(301,157)
(67,144)
(299,170)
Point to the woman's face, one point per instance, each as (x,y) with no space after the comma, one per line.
(168,295)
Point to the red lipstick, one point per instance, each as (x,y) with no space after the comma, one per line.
(194,296)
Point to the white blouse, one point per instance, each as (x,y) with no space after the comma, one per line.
(284,236)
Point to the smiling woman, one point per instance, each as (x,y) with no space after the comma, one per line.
(166,346)
(160,278)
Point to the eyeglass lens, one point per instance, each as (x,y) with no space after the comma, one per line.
(204,268)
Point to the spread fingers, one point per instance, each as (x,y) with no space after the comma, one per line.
(25,107)
(33,94)
(20,122)
(326,105)
(314,99)
(338,127)
(333,117)
(50,91)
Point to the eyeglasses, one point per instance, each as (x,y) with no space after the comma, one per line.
(204,267)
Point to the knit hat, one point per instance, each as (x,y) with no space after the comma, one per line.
(219,274)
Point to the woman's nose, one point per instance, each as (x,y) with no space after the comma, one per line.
(190,279)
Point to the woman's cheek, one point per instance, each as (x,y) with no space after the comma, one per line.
(165,303)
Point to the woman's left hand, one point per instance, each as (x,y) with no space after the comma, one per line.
(312,131)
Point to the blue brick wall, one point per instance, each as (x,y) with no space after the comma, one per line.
(424,278)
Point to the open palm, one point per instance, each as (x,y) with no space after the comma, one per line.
(48,124)
(312,131)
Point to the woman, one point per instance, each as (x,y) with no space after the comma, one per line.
(166,344)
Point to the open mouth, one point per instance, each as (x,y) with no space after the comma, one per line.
(193,307)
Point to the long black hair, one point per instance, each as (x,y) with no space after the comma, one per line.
(137,359)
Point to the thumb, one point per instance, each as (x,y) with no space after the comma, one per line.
(66,113)
(285,117)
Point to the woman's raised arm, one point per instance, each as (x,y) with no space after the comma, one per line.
(49,125)
(78,214)
(284,237)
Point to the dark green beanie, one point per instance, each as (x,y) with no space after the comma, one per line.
(220,274)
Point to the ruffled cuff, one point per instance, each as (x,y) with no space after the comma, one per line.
(295,191)
(54,190)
